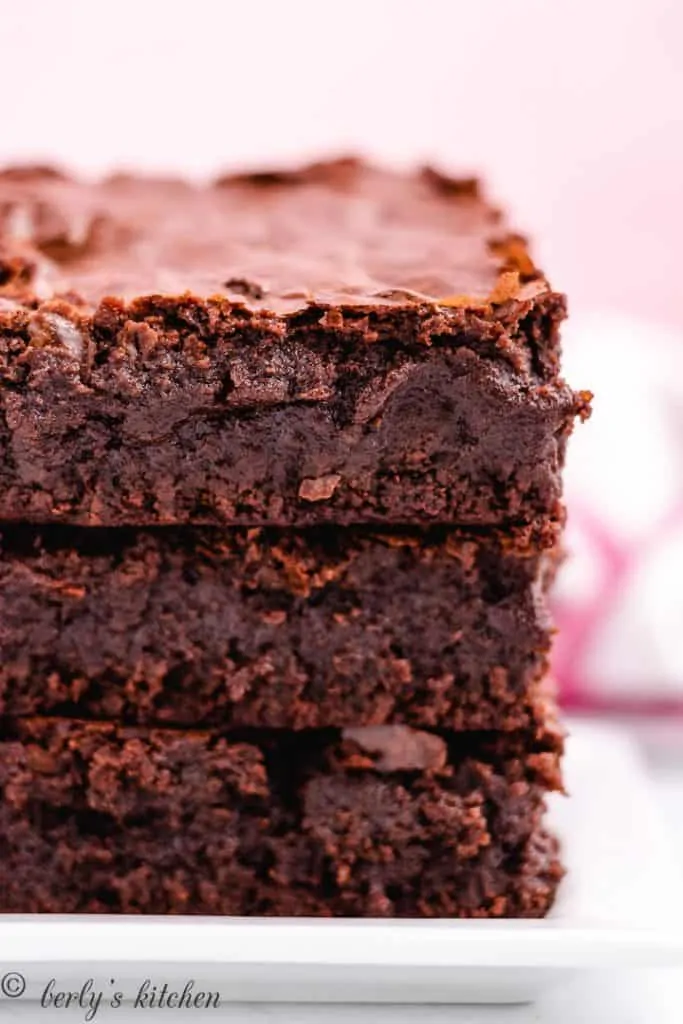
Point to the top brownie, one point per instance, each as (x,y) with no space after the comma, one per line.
(336,343)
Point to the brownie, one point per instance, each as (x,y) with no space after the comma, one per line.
(271,627)
(336,344)
(378,821)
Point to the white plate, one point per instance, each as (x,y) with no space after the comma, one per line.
(618,907)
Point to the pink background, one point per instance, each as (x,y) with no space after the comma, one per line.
(572,109)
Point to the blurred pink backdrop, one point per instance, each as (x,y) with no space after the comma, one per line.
(572,110)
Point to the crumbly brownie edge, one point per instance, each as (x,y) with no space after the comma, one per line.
(380,823)
(177,417)
(274,628)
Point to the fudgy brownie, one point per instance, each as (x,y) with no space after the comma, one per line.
(382,821)
(279,628)
(336,343)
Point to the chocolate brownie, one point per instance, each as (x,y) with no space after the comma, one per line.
(279,628)
(333,344)
(383,821)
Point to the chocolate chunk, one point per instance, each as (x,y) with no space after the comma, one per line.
(319,488)
(399,748)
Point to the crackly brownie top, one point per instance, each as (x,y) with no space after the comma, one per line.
(339,233)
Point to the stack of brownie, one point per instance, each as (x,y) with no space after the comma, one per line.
(280,495)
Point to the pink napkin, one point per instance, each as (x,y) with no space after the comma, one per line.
(619,598)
